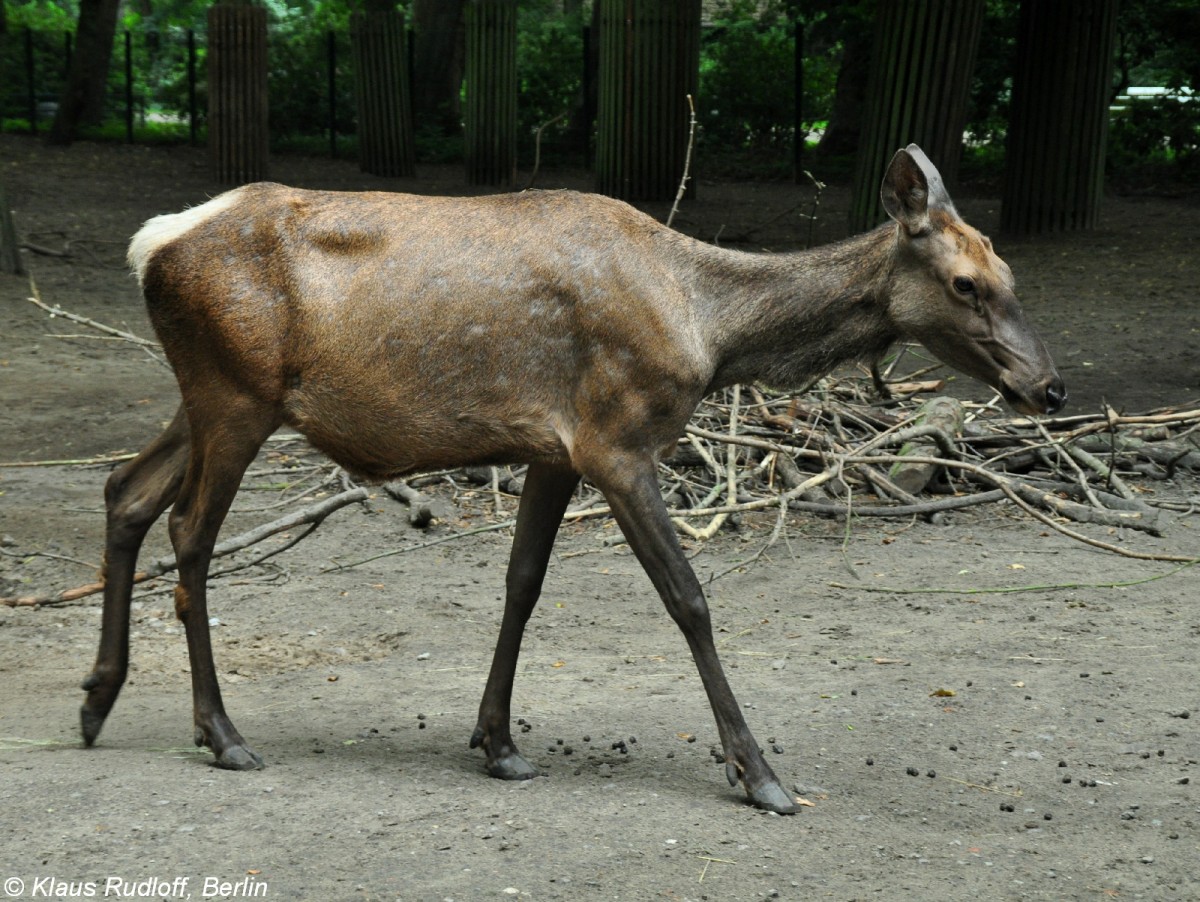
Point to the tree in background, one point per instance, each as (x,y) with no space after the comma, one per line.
(744,101)
(649,65)
(550,69)
(1153,50)
(437,64)
(238,134)
(747,78)
(921,65)
(846,27)
(1054,166)
(10,255)
(385,129)
(990,100)
(82,101)
(491,76)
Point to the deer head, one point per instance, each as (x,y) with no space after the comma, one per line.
(956,296)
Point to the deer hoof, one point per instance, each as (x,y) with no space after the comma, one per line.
(233,754)
(101,687)
(512,767)
(773,797)
(238,758)
(90,723)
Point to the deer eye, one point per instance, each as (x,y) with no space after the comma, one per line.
(964,285)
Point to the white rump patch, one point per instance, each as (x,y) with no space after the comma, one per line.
(164,229)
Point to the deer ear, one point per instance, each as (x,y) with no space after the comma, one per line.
(912,187)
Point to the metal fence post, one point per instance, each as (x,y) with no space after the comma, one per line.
(29,77)
(191,77)
(128,88)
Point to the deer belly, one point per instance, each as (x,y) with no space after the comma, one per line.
(386,433)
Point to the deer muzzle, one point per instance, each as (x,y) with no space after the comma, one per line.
(1046,396)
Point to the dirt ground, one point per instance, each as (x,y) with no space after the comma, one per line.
(1063,766)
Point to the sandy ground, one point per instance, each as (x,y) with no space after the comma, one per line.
(1039,744)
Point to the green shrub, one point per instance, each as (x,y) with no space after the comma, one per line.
(1161,130)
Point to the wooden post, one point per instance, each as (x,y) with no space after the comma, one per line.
(1054,169)
(385,126)
(237,93)
(649,64)
(10,253)
(491,77)
(920,80)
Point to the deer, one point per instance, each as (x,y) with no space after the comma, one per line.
(565,331)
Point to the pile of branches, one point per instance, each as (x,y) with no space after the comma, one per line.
(852,450)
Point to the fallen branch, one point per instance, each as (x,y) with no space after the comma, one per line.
(1011,590)
(76,462)
(314,514)
(55,311)
(152,349)
(421,510)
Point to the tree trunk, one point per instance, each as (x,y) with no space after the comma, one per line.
(649,64)
(385,130)
(437,63)
(491,115)
(237,93)
(1054,175)
(10,254)
(923,57)
(849,98)
(82,101)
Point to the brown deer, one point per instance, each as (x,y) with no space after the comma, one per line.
(566,331)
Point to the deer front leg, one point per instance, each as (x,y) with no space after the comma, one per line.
(547,491)
(632,490)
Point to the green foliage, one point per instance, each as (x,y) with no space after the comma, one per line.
(550,70)
(991,84)
(298,80)
(41,15)
(1159,130)
(747,78)
(745,103)
(147,132)
(1156,47)
(747,100)
(433,145)
(49,70)
(1156,44)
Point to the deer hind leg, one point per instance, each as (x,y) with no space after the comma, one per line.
(227,432)
(135,496)
(543,501)
(632,490)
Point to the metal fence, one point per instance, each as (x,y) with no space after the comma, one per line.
(158,79)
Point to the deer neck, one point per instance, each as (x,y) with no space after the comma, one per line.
(786,319)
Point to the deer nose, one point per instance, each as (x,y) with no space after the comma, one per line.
(1056,395)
